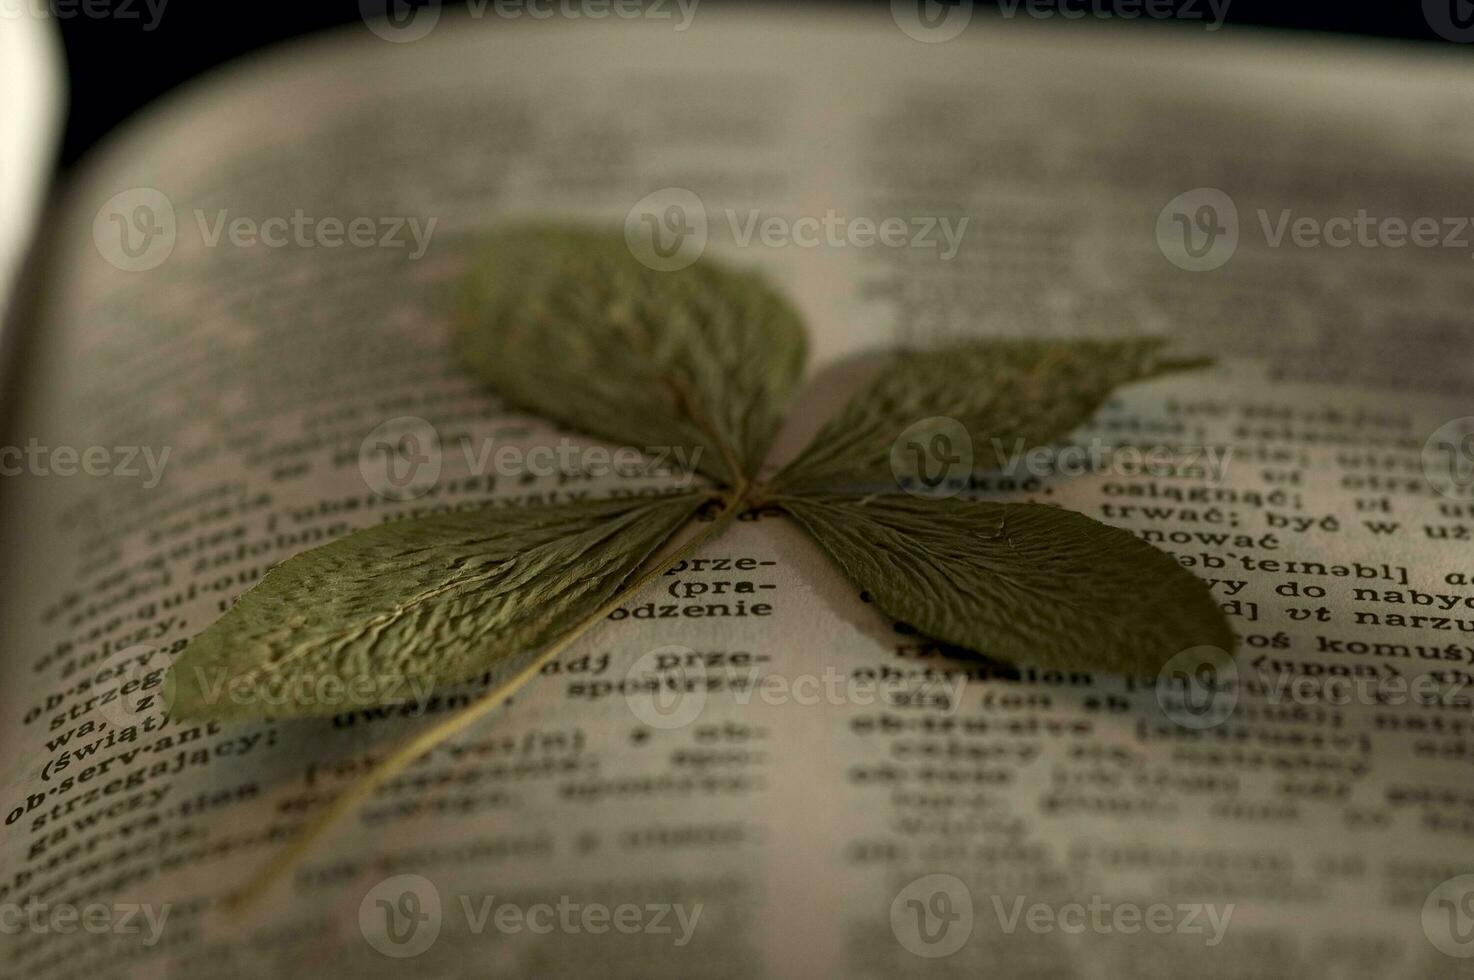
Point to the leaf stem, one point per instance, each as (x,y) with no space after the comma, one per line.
(422,742)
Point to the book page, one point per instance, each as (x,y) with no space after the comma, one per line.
(30,113)
(748,771)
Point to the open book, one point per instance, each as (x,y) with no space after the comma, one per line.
(237,300)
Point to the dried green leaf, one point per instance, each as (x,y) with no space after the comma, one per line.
(1022,393)
(569,324)
(380,614)
(1026,583)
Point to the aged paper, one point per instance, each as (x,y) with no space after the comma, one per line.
(783,783)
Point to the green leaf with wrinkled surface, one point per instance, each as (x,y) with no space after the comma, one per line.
(1023,393)
(568,324)
(429,600)
(1026,583)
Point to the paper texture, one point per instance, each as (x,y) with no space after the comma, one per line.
(30,112)
(786,815)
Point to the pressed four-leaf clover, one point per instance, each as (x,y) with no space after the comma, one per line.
(565,323)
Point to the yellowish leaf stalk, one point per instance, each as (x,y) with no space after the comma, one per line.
(423,742)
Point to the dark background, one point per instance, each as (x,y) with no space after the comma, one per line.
(116,67)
